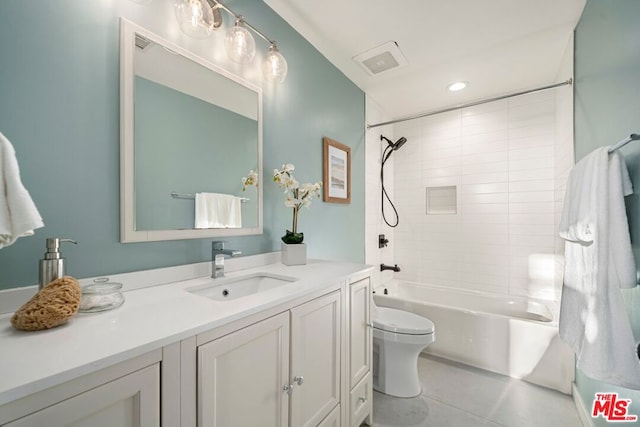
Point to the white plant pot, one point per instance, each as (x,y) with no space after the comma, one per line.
(294,254)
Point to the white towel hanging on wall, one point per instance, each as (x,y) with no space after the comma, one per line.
(598,262)
(215,210)
(18,214)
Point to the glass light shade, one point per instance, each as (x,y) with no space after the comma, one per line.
(274,66)
(239,43)
(195,18)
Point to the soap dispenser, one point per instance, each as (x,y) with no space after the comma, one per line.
(52,265)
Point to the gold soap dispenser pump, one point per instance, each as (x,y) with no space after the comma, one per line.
(52,265)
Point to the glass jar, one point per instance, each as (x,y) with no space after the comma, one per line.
(101,295)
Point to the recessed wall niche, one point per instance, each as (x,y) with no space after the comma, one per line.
(442,200)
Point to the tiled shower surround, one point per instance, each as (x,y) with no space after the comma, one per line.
(508,161)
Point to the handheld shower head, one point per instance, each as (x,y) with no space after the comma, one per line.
(399,143)
(386,153)
(395,146)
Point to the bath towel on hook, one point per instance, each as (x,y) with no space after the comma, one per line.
(18,214)
(598,263)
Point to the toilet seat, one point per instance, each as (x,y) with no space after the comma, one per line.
(401,322)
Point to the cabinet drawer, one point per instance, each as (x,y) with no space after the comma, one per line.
(360,401)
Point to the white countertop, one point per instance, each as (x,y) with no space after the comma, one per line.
(150,318)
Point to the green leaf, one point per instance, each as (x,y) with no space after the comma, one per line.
(293,238)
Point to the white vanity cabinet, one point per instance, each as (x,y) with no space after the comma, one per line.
(360,353)
(124,395)
(284,370)
(297,356)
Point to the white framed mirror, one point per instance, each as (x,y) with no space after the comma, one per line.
(186,127)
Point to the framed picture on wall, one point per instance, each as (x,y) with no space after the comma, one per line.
(337,171)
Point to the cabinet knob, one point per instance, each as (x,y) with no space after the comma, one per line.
(369,325)
(362,399)
(298,379)
(288,388)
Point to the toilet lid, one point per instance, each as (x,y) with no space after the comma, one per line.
(401,322)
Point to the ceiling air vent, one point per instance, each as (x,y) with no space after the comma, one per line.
(381,58)
(142,42)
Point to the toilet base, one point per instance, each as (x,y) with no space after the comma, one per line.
(395,368)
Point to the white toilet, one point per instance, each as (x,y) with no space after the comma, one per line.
(398,339)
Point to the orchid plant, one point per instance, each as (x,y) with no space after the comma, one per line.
(250,181)
(297,196)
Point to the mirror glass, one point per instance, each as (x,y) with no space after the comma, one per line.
(188,127)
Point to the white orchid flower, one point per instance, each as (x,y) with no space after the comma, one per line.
(249,181)
(289,202)
(296,195)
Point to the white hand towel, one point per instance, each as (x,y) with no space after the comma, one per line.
(18,214)
(214,210)
(598,262)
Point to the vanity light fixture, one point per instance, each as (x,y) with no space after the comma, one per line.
(199,18)
(456,86)
(274,66)
(239,42)
(195,18)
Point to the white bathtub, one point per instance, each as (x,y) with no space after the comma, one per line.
(511,336)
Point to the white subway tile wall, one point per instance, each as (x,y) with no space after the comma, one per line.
(509,161)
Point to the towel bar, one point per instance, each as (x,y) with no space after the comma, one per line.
(632,137)
(176,195)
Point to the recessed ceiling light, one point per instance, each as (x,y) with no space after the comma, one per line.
(456,86)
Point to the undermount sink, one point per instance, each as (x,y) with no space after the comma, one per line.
(232,288)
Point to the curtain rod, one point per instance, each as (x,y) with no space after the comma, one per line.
(470,104)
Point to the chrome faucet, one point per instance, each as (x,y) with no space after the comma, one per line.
(218,252)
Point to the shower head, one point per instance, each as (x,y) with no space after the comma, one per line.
(395,146)
(399,143)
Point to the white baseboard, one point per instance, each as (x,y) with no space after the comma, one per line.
(583,412)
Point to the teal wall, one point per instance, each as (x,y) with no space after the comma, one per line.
(59,106)
(607,109)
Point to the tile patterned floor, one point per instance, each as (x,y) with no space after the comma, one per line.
(457,395)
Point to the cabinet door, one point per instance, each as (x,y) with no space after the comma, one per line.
(360,338)
(241,376)
(315,357)
(129,401)
(332,420)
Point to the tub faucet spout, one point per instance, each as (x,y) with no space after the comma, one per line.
(218,253)
(384,267)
